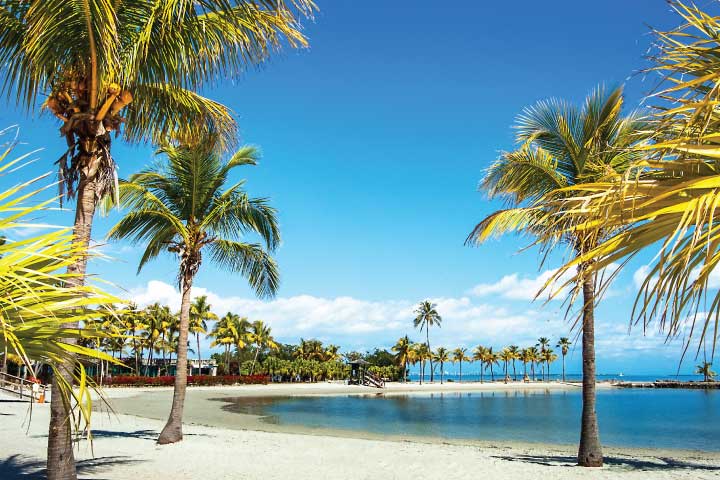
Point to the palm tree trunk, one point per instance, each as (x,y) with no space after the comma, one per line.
(460,371)
(252,367)
(481,372)
(563,367)
(197,337)
(172,432)
(590,451)
(60,457)
(427,338)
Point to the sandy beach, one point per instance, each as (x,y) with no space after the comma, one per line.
(124,444)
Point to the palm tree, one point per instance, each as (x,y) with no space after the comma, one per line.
(200,314)
(421,354)
(490,358)
(155,315)
(564,346)
(533,356)
(260,335)
(515,352)
(426,317)
(548,356)
(667,198)
(459,355)
(704,370)
(479,356)
(402,349)
(506,356)
(332,353)
(100,57)
(543,343)
(222,334)
(39,297)
(560,146)
(526,357)
(181,207)
(441,356)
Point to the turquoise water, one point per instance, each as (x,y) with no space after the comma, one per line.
(675,419)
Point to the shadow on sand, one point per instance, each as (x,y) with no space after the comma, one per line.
(649,464)
(18,467)
(139,434)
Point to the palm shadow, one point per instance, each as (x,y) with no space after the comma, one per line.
(19,467)
(138,434)
(648,464)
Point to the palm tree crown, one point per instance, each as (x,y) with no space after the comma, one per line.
(181,207)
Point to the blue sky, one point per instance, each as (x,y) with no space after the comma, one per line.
(373,142)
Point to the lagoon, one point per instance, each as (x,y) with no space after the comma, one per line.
(664,419)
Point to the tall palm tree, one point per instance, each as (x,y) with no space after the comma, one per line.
(667,199)
(561,145)
(479,356)
(564,346)
(200,314)
(402,349)
(705,370)
(182,206)
(93,61)
(426,316)
(460,355)
(441,356)
(260,335)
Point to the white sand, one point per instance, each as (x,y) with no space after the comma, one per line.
(125,448)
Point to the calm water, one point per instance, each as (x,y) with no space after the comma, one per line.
(683,419)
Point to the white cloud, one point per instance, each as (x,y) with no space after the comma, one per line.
(515,287)
(358,324)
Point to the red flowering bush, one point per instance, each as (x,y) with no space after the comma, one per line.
(168,381)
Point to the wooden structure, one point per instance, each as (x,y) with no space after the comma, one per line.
(360,375)
(24,388)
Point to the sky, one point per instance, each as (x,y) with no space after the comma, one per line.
(373,142)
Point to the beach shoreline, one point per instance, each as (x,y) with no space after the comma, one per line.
(124,443)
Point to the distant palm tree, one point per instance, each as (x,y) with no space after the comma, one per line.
(515,352)
(506,356)
(402,349)
(200,314)
(526,357)
(533,356)
(441,356)
(426,317)
(181,206)
(133,321)
(564,345)
(222,335)
(704,370)
(490,358)
(479,356)
(260,335)
(543,343)
(548,356)
(459,355)
(422,354)
(332,353)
